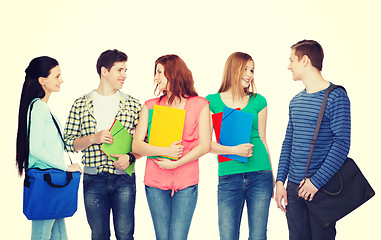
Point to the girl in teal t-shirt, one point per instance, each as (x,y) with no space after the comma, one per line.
(240,182)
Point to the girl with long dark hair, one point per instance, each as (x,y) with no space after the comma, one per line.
(45,148)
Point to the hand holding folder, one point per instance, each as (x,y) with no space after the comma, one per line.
(166,126)
(235,129)
(121,145)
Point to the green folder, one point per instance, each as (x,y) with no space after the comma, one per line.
(150,112)
(121,145)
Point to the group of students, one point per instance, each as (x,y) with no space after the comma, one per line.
(172,186)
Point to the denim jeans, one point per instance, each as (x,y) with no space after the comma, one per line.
(172,216)
(301,224)
(107,192)
(53,229)
(256,188)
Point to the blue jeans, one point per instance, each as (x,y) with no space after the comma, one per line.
(301,224)
(172,216)
(256,188)
(53,229)
(107,192)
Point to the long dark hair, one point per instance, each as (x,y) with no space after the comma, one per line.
(38,67)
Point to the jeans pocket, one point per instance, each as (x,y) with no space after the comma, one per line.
(88,179)
(128,178)
(223,177)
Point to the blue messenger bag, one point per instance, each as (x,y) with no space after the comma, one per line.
(49,193)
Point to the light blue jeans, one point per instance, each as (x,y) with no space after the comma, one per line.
(254,188)
(172,216)
(53,229)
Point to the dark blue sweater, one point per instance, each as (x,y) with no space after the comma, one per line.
(333,142)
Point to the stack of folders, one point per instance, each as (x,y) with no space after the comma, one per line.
(165,126)
(232,127)
(121,144)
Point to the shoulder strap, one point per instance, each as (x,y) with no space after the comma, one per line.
(318,123)
(28,133)
(58,128)
(59,133)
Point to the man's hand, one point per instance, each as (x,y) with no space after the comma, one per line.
(281,194)
(123,161)
(307,190)
(103,136)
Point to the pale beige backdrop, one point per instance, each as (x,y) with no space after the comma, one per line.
(204,34)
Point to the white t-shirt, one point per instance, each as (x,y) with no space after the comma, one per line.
(105,109)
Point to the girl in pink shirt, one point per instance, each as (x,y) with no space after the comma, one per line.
(171,186)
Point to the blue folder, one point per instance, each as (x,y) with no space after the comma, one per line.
(235,129)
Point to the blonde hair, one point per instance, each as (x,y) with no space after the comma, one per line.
(232,75)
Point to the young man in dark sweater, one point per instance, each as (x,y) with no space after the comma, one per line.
(332,145)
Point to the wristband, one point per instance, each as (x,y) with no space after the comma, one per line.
(132,158)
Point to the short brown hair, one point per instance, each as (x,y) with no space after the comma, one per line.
(312,50)
(108,58)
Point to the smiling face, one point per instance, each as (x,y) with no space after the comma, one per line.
(116,76)
(296,66)
(248,74)
(160,78)
(52,83)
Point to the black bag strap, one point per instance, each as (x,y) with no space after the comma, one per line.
(48,179)
(59,132)
(319,120)
(28,133)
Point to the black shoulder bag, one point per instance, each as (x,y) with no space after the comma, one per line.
(344,192)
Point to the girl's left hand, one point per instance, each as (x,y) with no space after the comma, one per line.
(165,163)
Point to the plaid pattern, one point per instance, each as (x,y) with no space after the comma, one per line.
(81,122)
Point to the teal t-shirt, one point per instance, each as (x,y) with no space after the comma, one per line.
(259,161)
(46,149)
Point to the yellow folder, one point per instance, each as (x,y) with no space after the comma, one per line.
(166,127)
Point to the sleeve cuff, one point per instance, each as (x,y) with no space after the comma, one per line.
(69,145)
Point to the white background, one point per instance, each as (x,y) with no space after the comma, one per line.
(203,34)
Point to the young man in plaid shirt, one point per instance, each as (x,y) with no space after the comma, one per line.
(106,185)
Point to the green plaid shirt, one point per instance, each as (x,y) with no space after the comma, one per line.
(81,122)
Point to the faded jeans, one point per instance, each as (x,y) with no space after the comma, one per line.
(254,188)
(172,216)
(107,192)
